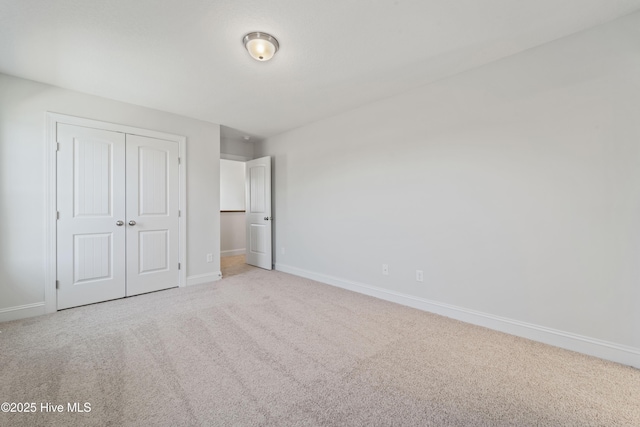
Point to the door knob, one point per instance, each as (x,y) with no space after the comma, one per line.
(267,218)
(132,222)
(119,223)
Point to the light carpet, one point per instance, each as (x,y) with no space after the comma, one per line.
(268,348)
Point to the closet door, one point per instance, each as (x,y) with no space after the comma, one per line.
(90,228)
(152,214)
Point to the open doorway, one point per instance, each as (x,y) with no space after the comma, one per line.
(245,186)
(232,215)
(236,148)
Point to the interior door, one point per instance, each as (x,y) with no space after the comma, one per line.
(258,212)
(90,228)
(152,214)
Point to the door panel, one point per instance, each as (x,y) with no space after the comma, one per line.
(258,239)
(90,260)
(92,177)
(257,176)
(152,214)
(154,249)
(92,257)
(258,212)
(152,183)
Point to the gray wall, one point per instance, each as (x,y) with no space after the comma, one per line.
(233,235)
(515,187)
(232,183)
(233,149)
(232,197)
(23,105)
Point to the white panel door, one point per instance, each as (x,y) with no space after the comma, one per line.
(258,212)
(152,214)
(90,230)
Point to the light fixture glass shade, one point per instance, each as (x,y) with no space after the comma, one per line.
(261,46)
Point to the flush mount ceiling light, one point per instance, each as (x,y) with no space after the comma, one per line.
(261,46)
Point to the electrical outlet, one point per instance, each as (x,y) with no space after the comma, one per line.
(385,269)
(209,257)
(419,276)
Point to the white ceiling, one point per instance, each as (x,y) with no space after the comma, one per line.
(186,56)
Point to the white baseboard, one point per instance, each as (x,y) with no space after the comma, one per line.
(203,278)
(593,347)
(22,311)
(233,252)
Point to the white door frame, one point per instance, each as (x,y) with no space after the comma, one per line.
(51,146)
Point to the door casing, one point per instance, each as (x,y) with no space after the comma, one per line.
(52,119)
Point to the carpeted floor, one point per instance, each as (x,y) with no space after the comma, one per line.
(268,348)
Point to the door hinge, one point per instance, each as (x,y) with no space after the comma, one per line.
(57,214)
(57,146)
(178,266)
(179,213)
(57,284)
(178,160)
